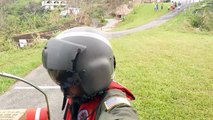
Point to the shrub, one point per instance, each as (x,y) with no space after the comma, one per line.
(202,15)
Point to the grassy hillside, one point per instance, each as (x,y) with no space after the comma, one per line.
(141,15)
(169,69)
(19,62)
(198,18)
(169,72)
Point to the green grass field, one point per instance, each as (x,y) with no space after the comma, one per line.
(18,62)
(169,70)
(141,15)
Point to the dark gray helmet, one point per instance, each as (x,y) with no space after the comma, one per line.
(82,56)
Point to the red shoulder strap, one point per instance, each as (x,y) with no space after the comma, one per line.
(115,85)
(89,109)
(67,115)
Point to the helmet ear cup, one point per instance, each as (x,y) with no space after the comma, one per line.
(97,76)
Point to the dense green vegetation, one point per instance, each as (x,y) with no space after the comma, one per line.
(24,16)
(27,16)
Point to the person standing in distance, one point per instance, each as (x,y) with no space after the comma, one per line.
(81,61)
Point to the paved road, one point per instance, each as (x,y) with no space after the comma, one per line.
(23,96)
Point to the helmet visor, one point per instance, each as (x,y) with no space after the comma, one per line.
(58,54)
(64,79)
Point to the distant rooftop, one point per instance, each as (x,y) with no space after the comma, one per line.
(51,4)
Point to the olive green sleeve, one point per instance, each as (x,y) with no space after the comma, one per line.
(118,112)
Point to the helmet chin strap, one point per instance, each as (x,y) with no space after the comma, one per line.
(67,95)
(64,102)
